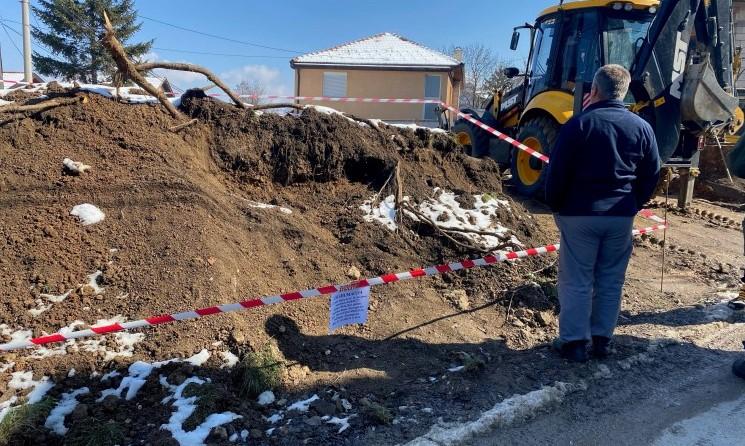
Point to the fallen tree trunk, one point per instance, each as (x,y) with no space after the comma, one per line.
(194,69)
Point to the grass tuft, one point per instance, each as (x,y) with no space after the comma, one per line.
(258,371)
(25,419)
(95,434)
(378,414)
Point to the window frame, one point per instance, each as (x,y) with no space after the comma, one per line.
(338,74)
(438,97)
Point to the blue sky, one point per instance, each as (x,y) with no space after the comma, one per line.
(301,26)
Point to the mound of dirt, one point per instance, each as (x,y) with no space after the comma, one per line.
(238,205)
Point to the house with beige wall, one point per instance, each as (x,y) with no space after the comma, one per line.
(381,66)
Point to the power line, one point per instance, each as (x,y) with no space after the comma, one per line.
(242,42)
(173,50)
(5,28)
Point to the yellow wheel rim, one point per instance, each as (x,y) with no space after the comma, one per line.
(525,171)
(463,138)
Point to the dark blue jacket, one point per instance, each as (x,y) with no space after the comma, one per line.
(604,162)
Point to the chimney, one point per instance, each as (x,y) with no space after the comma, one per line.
(458,54)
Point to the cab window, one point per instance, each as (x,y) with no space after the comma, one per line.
(541,62)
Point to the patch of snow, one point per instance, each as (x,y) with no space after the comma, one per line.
(302,406)
(516,408)
(346,404)
(25,380)
(244,434)
(416,127)
(259,205)
(68,401)
(199,358)
(15,335)
(6,405)
(233,438)
(41,307)
(40,390)
(384,213)
(275,418)
(75,166)
(343,423)
(71,373)
(184,408)
(229,358)
(138,374)
(444,209)
(96,290)
(88,214)
(456,369)
(270,431)
(427,409)
(265,398)
(56,298)
(448,213)
(6,366)
(111,374)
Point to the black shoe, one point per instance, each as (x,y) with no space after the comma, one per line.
(600,346)
(574,351)
(738,368)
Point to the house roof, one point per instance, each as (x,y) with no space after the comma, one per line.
(385,50)
(17,76)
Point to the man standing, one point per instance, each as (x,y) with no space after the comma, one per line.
(604,167)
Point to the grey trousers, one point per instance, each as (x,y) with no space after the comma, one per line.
(594,254)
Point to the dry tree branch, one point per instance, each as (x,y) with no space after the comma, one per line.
(176,128)
(194,69)
(41,106)
(128,69)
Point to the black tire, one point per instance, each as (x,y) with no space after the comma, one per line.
(469,137)
(528,172)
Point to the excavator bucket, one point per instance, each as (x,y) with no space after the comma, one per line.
(704,103)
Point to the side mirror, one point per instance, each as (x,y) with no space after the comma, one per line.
(511,72)
(515,40)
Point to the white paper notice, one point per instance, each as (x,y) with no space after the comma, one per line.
(349,307)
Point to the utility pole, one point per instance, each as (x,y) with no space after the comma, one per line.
(27,77)
(2,73)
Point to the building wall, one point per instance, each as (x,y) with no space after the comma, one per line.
(377,84)
(739,25)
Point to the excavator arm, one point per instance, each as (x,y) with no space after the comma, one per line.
(682,77)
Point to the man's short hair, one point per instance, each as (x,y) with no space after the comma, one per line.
(612,81)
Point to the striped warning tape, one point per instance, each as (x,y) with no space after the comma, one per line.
(496,133)
(345,99)
(312,292)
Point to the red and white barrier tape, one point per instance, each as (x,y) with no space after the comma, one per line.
(649,215)
(312,292)
(341,99)
(496,133)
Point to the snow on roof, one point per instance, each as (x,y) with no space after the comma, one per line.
(384,49)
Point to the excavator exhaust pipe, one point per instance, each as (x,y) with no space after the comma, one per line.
(704,103)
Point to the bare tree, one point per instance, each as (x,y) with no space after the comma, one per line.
(497,81)
(484,76)
(250,90)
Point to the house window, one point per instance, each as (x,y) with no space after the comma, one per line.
(335,84)
(431,91)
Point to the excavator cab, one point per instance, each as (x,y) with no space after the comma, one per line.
(568,43)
